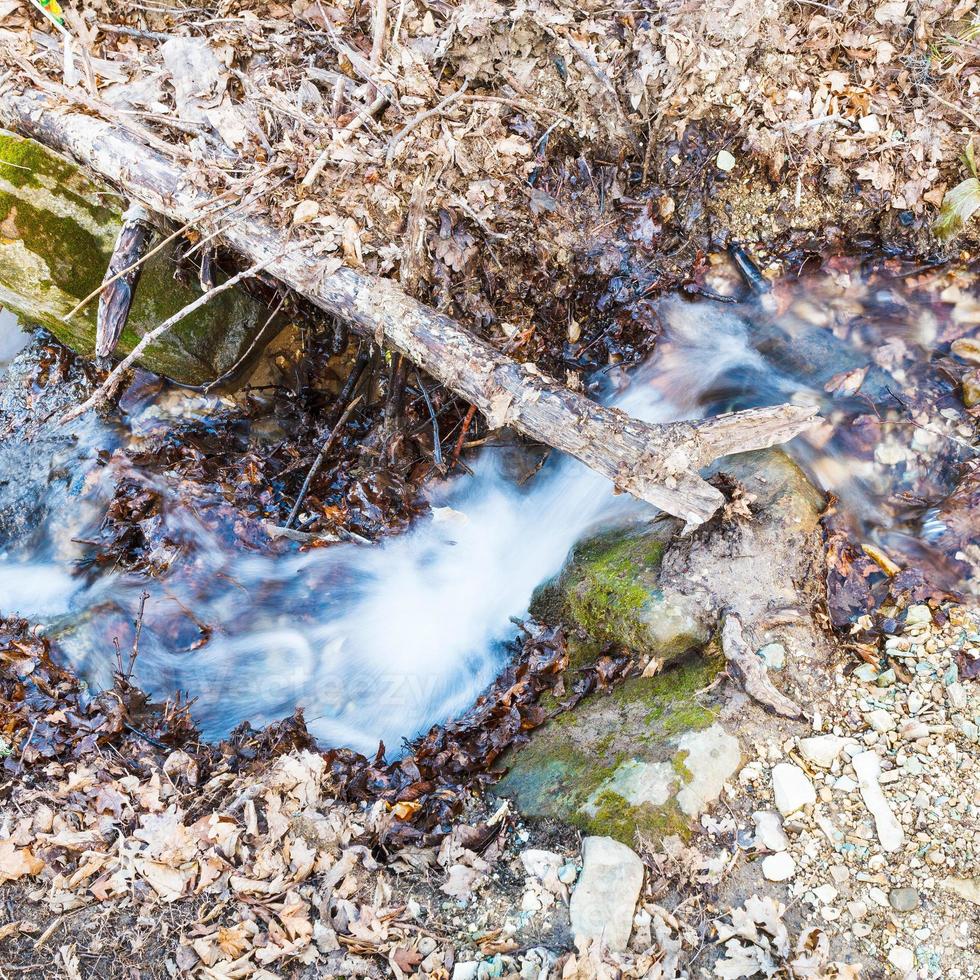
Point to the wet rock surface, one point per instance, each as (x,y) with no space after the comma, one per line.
(39,465)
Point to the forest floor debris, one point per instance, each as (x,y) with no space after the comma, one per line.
(232,865)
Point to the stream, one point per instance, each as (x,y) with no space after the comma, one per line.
(380,642)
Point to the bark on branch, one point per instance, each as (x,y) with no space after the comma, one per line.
(657,463)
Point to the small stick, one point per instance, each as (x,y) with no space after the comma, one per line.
(421,117)
(136,639)
(132,244)
(975,120)
(233,370)
(109,385)
(380,23)
(318,462)
(458,448)
(380,103)
(134,32)
(436,439)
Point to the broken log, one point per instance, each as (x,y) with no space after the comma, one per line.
(657,463)
(121,279)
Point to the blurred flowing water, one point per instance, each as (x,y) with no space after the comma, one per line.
(380,642)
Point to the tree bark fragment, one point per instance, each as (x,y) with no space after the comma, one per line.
(657,463)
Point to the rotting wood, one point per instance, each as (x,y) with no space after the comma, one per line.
(121,279)
(656,463)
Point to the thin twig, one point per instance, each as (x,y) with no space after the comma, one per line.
(134,32)
(379,26)
(420,118)
(109,385)
(135,265)
(136,639)
(436,439)
(236,367)
(458,448)
(318,462)
(975,120)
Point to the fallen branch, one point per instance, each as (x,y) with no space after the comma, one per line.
(749,670)
(320,459)
(657,463)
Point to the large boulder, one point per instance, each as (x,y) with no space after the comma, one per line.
(648,757)
(58,228)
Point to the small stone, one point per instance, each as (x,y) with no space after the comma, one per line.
(957,696)
(567,874)
(769,833)
(861,929)
(881,720)
(878,896)
(867,766)
(778,867)
(858,910)
(867,673)
(604,899)
(773,655)
(840,873)
(791,788)
(845,784)
(886,678)
(903,899)
(822,750)
(725,161)
(902,958)
(913,729)
(825,893)
(918,614)
(530,902)
(466,970)
(971,388)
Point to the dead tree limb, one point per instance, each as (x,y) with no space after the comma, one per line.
(657,463)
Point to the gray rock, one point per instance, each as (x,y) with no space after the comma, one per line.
(903,899)
(822,750)
(791,788)
(58,228)
(604,899)
(774,655)
(712,758)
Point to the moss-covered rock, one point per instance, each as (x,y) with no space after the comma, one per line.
(58,228)
(645,758)
(609,592)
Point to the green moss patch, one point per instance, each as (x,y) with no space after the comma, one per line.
(578,766)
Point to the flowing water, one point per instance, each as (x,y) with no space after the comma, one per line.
(379,642)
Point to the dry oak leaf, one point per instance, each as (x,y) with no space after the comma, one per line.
(17,862)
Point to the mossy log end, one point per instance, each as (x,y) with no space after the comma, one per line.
(656,463)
